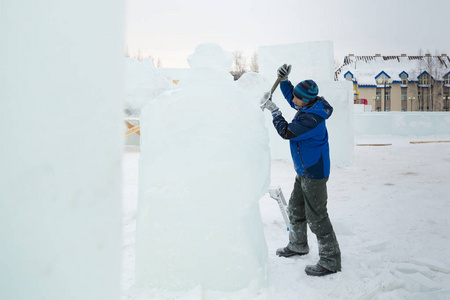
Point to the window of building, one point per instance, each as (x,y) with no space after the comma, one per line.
(447,79)
(378,100)
(349,76)
(424,79)
(404,101)
(388,100)
(404,78)
(446,99)
(388,95)
(420,100)
(428,101)
(378,95)
(384,78)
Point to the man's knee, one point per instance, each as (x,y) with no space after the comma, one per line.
(296,214)
(320,226)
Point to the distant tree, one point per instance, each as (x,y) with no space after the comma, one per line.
(152,59)
(239,66)
(254,66)
(337,63)
(415,88)
(139,55)
(429,89)
(437,69)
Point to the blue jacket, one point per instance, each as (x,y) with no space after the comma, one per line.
(307,134)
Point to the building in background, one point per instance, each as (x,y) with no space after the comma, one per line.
(398,83)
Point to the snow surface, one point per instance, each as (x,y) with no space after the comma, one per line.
(390,214)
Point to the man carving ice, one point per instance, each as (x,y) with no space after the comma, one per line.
(308,137)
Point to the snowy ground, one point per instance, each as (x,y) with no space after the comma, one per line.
(390,211)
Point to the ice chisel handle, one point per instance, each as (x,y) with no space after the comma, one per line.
(275,85)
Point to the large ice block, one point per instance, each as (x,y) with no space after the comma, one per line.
(340,125)
(61,136)
(402,124)
(309,60)
(204,166)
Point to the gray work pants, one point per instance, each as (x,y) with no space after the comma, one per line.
(308,204)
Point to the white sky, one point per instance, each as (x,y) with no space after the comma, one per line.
(171,29)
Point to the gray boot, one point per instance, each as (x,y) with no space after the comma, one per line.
(317,270)
(286,252)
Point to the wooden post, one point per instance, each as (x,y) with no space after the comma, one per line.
(373,145)
(427,142)
(132,129)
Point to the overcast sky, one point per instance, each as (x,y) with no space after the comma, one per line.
(171,29)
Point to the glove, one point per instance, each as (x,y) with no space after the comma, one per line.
(284,71)
(264,100)
(267,103)
(272,107)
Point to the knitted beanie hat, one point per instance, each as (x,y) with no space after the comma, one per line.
(306,90)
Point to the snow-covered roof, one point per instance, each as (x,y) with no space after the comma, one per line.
(365,69)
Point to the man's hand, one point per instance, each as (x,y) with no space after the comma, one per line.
(266,103)
(284,71)
(271,106)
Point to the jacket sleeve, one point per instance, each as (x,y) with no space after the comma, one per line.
(299,129)
(287,89)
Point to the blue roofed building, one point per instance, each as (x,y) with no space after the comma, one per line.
(398,83)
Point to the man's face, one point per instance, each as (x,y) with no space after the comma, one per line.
(299,103)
